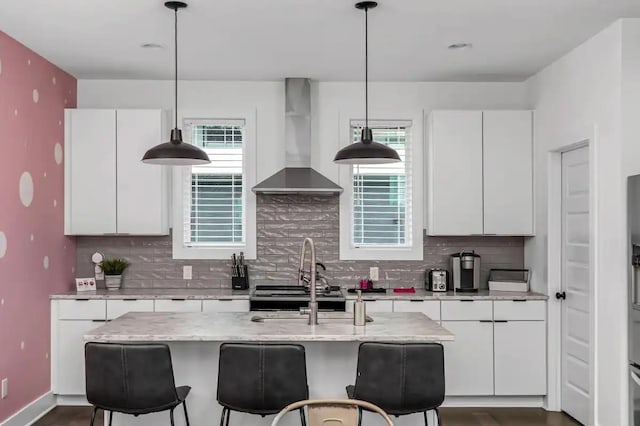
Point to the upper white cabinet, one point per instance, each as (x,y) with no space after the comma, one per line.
(454,173)
(479,173)
(507,165)
(108,190)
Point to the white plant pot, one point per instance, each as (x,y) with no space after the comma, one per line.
(113,282)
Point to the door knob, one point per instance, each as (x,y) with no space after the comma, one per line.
(562,295)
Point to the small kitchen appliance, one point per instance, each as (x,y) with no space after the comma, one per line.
(465,267)
(437,280)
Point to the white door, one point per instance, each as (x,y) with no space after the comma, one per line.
(575,284)
(454,158)
(507,170)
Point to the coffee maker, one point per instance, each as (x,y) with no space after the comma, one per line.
(465,268)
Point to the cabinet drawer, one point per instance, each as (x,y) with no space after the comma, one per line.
(225,305)
(431,308)
(466,310)
(81,309)
(528,310)
(116,308)
(174,305)
(377,305)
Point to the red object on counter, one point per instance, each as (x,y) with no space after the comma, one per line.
(364,284)
(404,290)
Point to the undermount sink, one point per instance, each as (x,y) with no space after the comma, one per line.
(326,317)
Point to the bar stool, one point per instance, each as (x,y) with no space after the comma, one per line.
(132,379)
(401,379)
(261,379)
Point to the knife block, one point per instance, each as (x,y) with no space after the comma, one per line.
(241,283)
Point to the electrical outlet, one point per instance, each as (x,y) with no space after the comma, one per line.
(187,272)
(5,388)
(374,273)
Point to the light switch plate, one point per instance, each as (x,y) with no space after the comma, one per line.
(5,388)
(374,273)
(187,272)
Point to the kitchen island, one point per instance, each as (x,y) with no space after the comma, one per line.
(195,338)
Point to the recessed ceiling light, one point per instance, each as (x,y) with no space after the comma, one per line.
(151,46)
(460,46)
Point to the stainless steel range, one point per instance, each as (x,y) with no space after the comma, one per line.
(295,297)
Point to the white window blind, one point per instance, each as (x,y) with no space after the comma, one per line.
(382,192)
(214,198)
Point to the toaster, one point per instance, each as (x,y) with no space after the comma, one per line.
(437,280)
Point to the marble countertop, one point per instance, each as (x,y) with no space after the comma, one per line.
(238,327)
(149,293)
(181,293)
(421,294)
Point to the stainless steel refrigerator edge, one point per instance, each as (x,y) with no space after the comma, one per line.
(633,211)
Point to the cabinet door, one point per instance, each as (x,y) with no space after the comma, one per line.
(520,358)
(430,308)
(142,188)
(377,305)
(90,171)
(468,361)
(117,308)
(178,305)
(454,182)
(225,305)
(508,172)
(70,357)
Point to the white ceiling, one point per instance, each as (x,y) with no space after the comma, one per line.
(319,39)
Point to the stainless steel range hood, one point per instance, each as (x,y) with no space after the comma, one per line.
(297,177)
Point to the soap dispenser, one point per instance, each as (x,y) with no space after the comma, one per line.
(359,311)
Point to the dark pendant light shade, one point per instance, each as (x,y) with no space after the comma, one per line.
(176,152)
(366,151)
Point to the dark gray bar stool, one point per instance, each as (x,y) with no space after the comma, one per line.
(401,379)
(132,379)
(261,379)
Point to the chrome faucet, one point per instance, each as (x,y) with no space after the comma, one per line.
(313,304)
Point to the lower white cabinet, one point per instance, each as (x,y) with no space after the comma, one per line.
(117,308)
(69,363)
(377,305)
(178,305)
(225,305)
(430,308)
(468,360)
(520,357)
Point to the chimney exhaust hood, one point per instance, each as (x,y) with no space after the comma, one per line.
(297,177)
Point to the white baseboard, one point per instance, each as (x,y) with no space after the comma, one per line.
(75,400)
(493,401)
(32,412)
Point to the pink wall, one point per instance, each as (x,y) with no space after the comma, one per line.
(36,259)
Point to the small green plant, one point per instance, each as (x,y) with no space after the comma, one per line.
(114,266)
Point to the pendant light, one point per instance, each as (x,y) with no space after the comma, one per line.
(366,151)
(176,152)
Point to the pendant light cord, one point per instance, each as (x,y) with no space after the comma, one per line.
(175,75)
(366,67)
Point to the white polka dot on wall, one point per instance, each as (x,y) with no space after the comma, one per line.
(15,112)
(22,345)
(45,262)
(3,244)
(36,95)
(26,189)
(46,355)
(0,66)
(53,80)
(65,101)
(45,174)
(28,61)
(59,122)
(55,203)
(1,301)
(31,238)
(73,269)
(57,153)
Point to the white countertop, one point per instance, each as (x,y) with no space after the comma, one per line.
(238,327)
(196,294)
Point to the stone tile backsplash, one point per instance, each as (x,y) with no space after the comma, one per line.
(282,222)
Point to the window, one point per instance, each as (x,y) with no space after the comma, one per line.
(213,198)
(382,193)
(381,208)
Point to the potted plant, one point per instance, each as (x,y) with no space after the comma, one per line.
(113,269)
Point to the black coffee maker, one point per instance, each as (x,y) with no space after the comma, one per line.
(465,268)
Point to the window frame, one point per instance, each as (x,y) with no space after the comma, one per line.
(218,251)
(415,136)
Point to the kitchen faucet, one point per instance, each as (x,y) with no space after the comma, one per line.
(313,304)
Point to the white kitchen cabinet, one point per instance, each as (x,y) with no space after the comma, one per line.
(142,189)
(479,175)
(430,308)
(117,308)
(468,360)
(70,357)
(508,172)
(520,358)
(90,171)
(178,305)
(454,173)
(108,190)
(378,305)
(467,310)
(225,305)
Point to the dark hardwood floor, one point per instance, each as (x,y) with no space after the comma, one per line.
(80,416)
